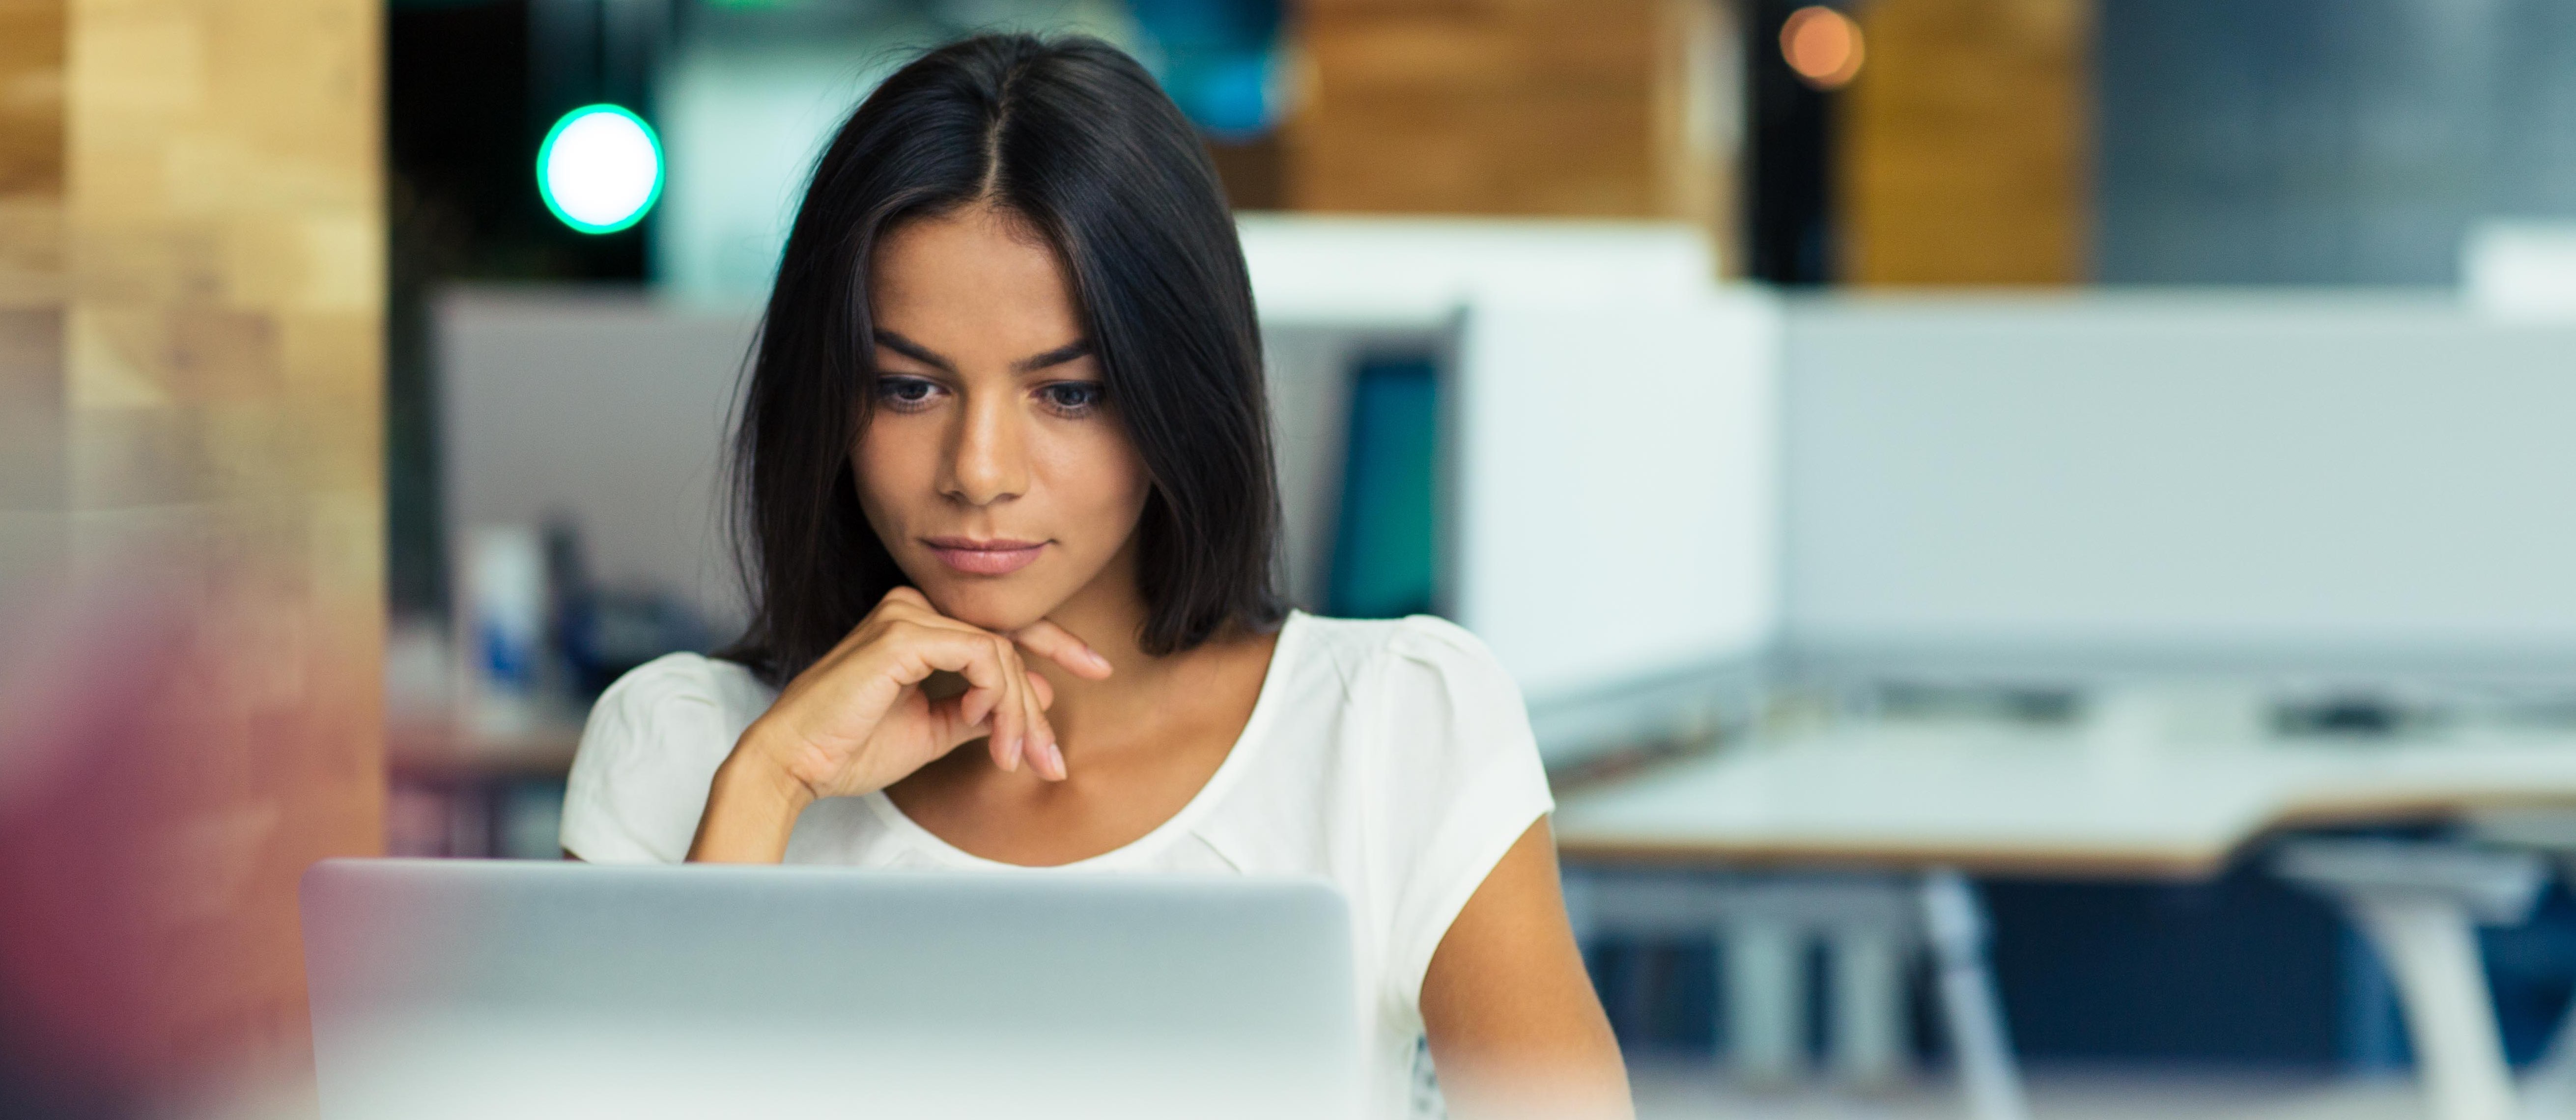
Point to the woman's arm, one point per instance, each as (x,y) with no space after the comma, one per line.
(1515,1027)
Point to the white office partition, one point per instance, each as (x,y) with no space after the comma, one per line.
(1378,274)
(2318,483)
(1610,440)
(1333,290)
(609,408)
(1615,486)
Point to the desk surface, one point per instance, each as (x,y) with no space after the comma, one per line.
(2020,800)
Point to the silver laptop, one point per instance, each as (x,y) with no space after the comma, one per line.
(453,988)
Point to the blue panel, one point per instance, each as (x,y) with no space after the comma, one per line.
(1385,535)
(1216,60)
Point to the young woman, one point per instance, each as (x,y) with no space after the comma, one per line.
(1005,463)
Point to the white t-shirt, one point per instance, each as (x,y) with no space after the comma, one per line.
(1393,758)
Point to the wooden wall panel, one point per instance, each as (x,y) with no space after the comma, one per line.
(31,287)
(1539,107)
(1964,150)
(191,300)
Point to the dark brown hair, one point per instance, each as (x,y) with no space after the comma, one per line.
(1074,137)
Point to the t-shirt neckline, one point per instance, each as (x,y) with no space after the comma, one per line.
(1254,729)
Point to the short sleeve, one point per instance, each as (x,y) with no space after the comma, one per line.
(649,752)
(1459,780)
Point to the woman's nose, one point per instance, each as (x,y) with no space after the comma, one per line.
(988,463)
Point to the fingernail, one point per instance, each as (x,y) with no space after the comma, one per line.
(1096,659)
(1057,753)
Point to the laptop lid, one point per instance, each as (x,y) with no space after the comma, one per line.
(447,988)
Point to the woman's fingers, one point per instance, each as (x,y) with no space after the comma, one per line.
(1043,755)
(1050,749)
(1038,749)
(1055,643)
(976,705)
(1004,699)
(1019,728)
(1012,733)
(1024,736)
(994,679)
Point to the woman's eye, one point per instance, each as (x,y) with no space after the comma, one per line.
(1072,397)
(905,393)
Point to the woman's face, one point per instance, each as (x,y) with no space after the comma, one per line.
(991,464)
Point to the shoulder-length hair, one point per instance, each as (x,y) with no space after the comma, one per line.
(1073,137)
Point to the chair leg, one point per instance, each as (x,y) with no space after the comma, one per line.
(2549,1088)
(1955,923)
(2430,944)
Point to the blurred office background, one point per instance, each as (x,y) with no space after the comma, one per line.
(1898,197)
(2150,412)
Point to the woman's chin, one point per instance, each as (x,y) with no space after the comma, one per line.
(989,607)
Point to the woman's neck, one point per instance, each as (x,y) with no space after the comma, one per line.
(1143,691)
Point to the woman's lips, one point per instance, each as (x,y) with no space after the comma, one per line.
(998,557)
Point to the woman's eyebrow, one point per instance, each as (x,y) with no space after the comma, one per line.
(920,353)
(914,350)
(1056,357)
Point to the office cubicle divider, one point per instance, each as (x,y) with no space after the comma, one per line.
(1604,510)
(2296,486)
(1615,495)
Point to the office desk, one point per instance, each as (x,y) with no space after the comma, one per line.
(455,789)
(1998,799)
(2080,800)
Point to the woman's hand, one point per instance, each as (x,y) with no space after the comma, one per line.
(858,720)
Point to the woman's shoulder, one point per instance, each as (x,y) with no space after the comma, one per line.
(686,672)
(1366,650)
(652,744)
(687,677)
(1435,776)
(676,693)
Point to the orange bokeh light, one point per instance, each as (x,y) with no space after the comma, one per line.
(1822,45)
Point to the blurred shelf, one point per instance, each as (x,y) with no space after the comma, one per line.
(448,748)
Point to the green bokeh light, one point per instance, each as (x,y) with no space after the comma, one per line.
(600,169)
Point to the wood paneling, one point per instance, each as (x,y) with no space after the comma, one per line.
(191,300)
(1965,144)
(32,280)
(1546,107)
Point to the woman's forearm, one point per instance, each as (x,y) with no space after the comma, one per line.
(1515,1029)
(751,810)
